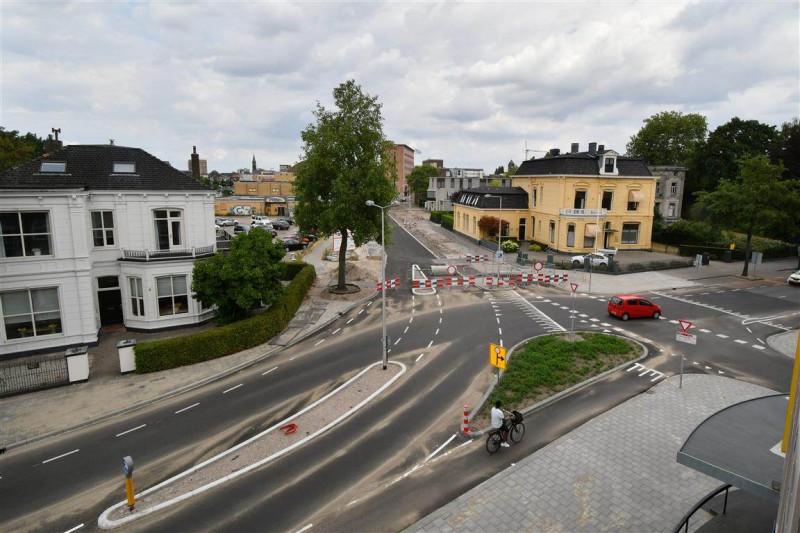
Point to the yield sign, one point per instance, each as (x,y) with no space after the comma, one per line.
(685,325)
(574,287)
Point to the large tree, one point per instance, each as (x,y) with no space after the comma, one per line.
(16,149)
(418,179)
(758,197)
(668,138)
(237,281)
(347,161)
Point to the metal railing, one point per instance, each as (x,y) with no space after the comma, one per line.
(33,373)
(572,212)
(161,255)
(685,522)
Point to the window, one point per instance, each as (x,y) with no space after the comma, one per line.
(552,231)
(31,313)
(53,166)
(671,210)
(440,183)
(452,183)
(534,197)
(570,235)
(609,164)
(137,296)
(168,228)
(25,234)
(633,206)
(658,188)
(580,200)
(173,298)
(608,198)
(589,235)
(630,233)
(124,168)
(658,207)
(673,187)
(103,228)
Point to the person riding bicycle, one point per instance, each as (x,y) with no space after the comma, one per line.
(501,420)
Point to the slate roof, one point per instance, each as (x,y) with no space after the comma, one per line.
(580,163)
(513,197)
(91,168)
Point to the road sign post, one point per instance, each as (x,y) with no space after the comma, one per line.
(497,358)
(574,287)
(685,337)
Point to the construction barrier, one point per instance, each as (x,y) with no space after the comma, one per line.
(465,422)
(390,284)
(443,282)
(477,258)
(499,282)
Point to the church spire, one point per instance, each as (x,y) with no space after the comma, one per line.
(254,164)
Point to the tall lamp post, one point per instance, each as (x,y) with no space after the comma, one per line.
(499,231)
(384,340)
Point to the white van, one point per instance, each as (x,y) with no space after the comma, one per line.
(261,220)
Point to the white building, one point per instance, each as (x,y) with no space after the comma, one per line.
(96,236)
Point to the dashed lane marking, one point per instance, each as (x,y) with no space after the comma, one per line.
(130,430)
(232,388)
(191,406)
(61,456)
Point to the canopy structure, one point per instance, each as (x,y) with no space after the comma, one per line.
(740,445)
(635,196)
(590,230)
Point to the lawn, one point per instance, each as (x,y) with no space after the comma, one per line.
(550,364)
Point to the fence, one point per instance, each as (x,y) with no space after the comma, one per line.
(33,373)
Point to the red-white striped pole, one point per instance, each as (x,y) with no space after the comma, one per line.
(465,422)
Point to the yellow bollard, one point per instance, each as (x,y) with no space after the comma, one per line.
(127,469)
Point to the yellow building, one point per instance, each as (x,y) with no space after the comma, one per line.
(575,202)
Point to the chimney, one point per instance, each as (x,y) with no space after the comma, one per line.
(592,148)
(195,164)
(574,148)
(555,151)
(601,148)
(51,144)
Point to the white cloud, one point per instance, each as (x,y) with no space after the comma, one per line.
(469,83)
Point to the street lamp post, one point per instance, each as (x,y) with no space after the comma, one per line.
(499,232)
(384,340)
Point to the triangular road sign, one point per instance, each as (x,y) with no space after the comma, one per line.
(574,287)
(685,325)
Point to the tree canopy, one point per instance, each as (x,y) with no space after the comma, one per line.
(668,138)
(347,161)
(418,179)
(756,198)
(16,149)
(250,273)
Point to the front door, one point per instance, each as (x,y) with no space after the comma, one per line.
(521,230)
(606,234)
(109,300)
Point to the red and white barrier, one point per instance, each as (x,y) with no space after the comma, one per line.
(443,282)
(390,284)
(477,258)
(465,422)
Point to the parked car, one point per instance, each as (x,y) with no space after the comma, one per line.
(266,228)
(240,228)
(290,220)
(794,279)
(280,224)
(293,244)
(627,306)
(306,238)
(224,222)
(599,260)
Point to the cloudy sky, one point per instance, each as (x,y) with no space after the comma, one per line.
(470,83)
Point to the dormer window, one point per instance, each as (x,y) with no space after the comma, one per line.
(609,166)
(607,162)
(124,168)
(53,166)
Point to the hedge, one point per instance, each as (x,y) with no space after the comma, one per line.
(447,221)
(225,340)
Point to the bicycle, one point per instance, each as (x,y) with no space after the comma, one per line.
(515,433)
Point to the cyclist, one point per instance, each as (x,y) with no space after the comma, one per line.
(502,421)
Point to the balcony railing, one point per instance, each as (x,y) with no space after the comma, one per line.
(166,255)
(582,213)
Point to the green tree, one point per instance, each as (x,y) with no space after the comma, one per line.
(788,149)
(495,183)
(500,170)
(758,197)
(418,179)
(347,161)
(668,138)
(236,282)
(16,149)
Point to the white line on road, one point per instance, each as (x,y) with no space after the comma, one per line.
(360,311)
(430,344)
(759,340)
(62,455)
(350,320)
(749,330)
(721,336)
(76,528)
(270,370)
(130,430)
(740,341)
(232,388)
(440,320)
(501,331)
(420,357)
(705,330)
(319,342)
(309,526)
(437,450)
(757,347)
(398,340)
(498,320)
(369,303)
(187,408)
(337,331)
(437,331)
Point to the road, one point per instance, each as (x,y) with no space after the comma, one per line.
(378,470)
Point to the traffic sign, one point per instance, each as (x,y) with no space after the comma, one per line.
(538,265)
(451,269)
(686,338)
(685,325)
(497,356)
(499,254)
(574,287)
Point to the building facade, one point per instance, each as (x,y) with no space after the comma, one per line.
(96,236)
(450,181)
(577,202)
(403,156)
(669,191)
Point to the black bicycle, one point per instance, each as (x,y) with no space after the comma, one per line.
(495,437)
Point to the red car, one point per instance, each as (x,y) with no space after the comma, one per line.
(627,306)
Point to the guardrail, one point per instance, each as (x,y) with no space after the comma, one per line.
(685,522)
(161,255)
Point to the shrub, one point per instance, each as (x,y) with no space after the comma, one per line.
(231,338)
(534,247)
(510,246)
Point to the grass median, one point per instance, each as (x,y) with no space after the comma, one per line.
(549,364)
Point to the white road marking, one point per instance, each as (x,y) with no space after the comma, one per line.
(705,330)
(187,408)
(410,320)
(501,331)
(360,311)
(309,526)
(405,330)
(420,357)
(437,331)
(337,331)
(721,336)
(62,455)
(440,320)
(740,341)
(583,315)
(437,450)
(501,342)
(369,303)
(757,347)
(130,430)
(673,321)
(594,320)
(748,330)
(498,320)
(76,528)
(232,388)
(319,342)
(759,340)
(430,344)
(440,311)
(704,293)
(350,320)
(398,340)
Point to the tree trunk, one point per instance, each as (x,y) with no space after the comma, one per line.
(747,249)
(342,284)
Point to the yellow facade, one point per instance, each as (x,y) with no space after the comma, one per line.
(263,188)
(465,220)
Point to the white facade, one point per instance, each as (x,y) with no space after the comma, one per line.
(89,246)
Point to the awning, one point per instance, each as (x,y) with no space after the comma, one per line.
(591,230)
(635,196)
